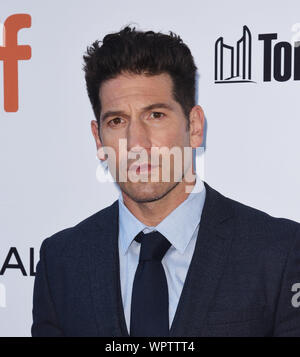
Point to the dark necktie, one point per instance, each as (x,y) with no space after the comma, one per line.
(150,299)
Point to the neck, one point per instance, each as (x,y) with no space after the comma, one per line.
(152,213)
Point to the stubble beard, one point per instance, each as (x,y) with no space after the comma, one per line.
(143,196)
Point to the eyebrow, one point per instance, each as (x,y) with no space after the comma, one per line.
(111,113)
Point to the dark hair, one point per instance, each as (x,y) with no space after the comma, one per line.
(138,52)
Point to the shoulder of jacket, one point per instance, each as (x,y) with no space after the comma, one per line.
(73,238)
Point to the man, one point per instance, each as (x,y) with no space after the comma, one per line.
(169,257)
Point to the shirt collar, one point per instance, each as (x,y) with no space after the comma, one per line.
(178,227)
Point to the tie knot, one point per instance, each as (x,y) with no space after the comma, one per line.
(153,245)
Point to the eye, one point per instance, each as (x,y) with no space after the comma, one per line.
(114,122)
(157,115)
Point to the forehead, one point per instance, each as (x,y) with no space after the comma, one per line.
(136,87)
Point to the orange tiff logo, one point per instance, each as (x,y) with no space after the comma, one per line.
(10,54)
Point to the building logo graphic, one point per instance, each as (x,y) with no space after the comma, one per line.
(10,54)
(233,64)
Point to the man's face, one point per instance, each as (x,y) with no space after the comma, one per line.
(162,125)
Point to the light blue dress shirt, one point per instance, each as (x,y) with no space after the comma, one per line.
(180,227)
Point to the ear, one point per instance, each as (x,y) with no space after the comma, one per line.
(196,126)
(95,132)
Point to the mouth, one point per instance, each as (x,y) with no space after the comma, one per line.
(142,168)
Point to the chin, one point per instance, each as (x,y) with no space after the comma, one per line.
(145,191)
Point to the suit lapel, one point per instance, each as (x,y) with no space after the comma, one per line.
(105,275)
(211,250)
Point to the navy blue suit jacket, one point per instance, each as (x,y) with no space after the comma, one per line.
(239,282)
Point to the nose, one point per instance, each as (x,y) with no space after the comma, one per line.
(138,136)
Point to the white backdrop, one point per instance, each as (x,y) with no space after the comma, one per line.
(48,165)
